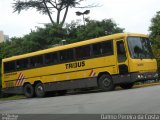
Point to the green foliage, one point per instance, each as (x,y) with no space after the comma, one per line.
(39,5)
(155,36)
(11,97)
(155,26)
(47,7)
(52,34)
(93,29)
(25,5)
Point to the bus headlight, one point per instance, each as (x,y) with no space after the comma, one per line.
(139,76)
(156,75)
(142,76)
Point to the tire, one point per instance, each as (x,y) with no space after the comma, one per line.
(28,91)
(105,83)
(39,90)
(127,85)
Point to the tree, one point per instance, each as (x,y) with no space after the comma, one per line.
(50,35)
(155,26)
(48,7)
(44,38)
(92,29)
(155,36)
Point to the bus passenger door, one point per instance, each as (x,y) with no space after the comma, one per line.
(122,57)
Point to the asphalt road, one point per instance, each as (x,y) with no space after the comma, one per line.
(137,100)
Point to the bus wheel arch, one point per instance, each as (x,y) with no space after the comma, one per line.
(36,82)
(28,90)
(105,82)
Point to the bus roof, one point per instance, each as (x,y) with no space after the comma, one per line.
(72,45)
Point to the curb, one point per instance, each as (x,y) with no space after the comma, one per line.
(146,85)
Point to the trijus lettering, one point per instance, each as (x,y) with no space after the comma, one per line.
(75,65)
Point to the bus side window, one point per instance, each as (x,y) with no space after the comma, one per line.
(66,55)
(48,58)
(97,50)
(83,52)
(107,47)
(121,51)
(51,58)
(55,57)
(36,61)
(22,64)
(9,66)
(103,48)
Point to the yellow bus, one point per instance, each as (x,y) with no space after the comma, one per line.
(104,62)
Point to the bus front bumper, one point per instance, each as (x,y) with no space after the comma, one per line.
(135,77)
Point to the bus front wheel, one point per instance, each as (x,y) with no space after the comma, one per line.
(105,83)
(127,85)
(39,90)
(28,91)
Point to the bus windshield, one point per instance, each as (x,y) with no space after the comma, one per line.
(140,48)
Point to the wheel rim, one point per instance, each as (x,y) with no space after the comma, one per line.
(106,82)
(40,90)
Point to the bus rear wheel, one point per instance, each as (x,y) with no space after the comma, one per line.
(127,85)
(28,91)
(39,90)
(105,83)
